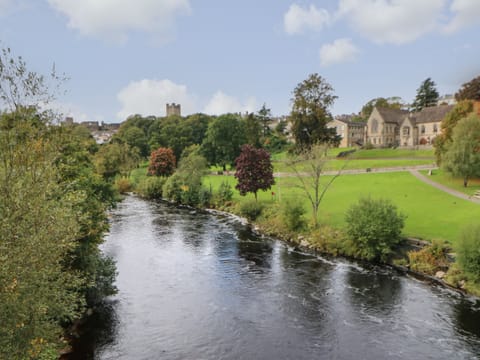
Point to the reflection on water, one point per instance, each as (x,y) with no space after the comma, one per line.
(199,286)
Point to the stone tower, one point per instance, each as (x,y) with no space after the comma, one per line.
(173,109)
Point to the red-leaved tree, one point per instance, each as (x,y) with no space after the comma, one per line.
(162,162)
(254,170)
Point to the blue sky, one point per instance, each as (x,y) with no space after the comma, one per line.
(125,57)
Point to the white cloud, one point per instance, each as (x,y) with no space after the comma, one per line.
(297,19)
(149,97)
(341,50)
(467,12)
(221,103)
(113,19)
(392,21)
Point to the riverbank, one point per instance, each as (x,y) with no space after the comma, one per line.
(328,244)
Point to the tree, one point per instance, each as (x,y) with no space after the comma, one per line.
(469,91)
(21,88)
(468,251)
(462,157)
(394,102)
(225,135)
(308,167)
(460,111)
(253,130)
(254,171)
(310,113)
(264,115)
(115,158)
(427,95)
(374,227)
(162,162)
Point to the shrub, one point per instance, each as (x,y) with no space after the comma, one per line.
(251,209)
(224,193)
(162,162)
(374,228)
(123,185)
(430,259)
(293,215)
(468,252)
(151,187)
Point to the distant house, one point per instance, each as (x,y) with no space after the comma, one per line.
(392,127)
(351,132)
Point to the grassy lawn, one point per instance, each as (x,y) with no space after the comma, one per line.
(446,179)
(432,214)
(363,159)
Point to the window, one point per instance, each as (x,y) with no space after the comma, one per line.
(422,129)
(406,130)
(374,126)
(435,128)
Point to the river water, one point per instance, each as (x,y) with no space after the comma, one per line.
(201,286)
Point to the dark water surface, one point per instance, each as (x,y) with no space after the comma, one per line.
(198,286)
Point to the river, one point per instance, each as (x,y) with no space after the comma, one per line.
(202,286)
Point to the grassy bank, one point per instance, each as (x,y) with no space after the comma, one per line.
(431,213)
(446,179)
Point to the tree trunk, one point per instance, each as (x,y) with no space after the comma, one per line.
(465,181)
(255,193)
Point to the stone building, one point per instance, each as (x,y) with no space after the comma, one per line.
(351,132)
(392,127)
(173,109)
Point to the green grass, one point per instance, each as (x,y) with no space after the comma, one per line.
(446,179)
(363,159)
(431,213)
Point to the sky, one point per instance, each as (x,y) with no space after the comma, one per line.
(125,57)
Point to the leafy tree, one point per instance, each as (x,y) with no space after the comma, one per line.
(21,88)
(308,167)
(468,251)
(310,112)
(460,111)
(391,103)
(427,95)
(374,227)
(116,159)
(264,115)
(469,91)
(162,162)
(462,157)
(136,138)
(253,130)
(254,170)
(185,185)
(225,135)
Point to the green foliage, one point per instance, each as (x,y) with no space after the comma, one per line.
(427,95)
(460,111)
(468,252)
(253,130)
(293,215)
(430,259)
(367,109)
(462,156)
(224,137)
(310,113)
(374,227)
(251,209)
(185,185)
(151,187)
(469,91)
(116,159)
(224,193)
(123,185)
(162,162)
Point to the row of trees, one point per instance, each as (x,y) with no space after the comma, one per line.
(52,219)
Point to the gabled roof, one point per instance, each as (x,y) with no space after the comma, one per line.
(395,116)
(432,114)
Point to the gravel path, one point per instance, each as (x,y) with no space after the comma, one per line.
(456,193)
